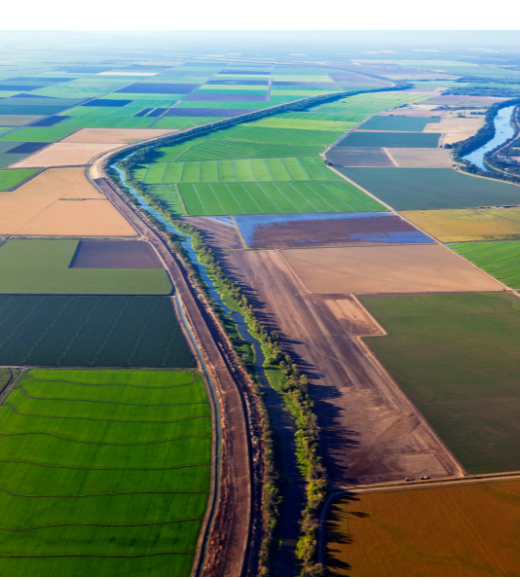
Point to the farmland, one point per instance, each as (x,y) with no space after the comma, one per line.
(60,202)
(301,231)
(412,189)
(458,530)
(404,157)
(467,385)
(106,472)
(500,259)
(43,267)
(10,178)
(388,139)
(396,123)
(238,170)
(381,269)
(96,331)
(65,154)
(481,224)
(270,198)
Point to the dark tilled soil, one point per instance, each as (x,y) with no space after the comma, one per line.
(115,254)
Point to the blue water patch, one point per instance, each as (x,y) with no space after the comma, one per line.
(249,225)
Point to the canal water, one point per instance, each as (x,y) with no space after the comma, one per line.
(503,131)
(281,421)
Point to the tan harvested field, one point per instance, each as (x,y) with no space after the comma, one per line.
(470,529)
(420,157)
(66,154)
(413,268)
(461,225)
(60,202)
(110,136)
(414,111)
(371,432)
(455,129)
(17,120)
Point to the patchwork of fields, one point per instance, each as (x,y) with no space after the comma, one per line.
(106,472)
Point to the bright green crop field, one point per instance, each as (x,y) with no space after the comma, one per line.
(271,198)
(103,473)
(238,170)
(10,178)
(37,135)
(42,267)
(456,357)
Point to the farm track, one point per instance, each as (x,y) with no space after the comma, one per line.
(371,431)
(235,536)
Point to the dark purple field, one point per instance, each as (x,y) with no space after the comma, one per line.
(144,112)
(202,112)
(166,88)
(359,157)
(157,112)
(49,121)
(246,98)
(245,72)
(107,103)
(115,254)
(28,148)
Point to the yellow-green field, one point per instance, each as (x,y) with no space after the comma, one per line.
(467,225)
(458,530)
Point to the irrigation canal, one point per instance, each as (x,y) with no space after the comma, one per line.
(281,421)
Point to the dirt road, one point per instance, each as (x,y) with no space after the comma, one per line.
(371,432)
(235,534)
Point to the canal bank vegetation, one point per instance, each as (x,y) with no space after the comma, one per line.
(281,370)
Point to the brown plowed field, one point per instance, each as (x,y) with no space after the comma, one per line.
(60,202)
(371,432)
(420,157)
(359,157)
(217,233)
(120,136)
(65,154)
(353,231)
(413,268)
(455,129)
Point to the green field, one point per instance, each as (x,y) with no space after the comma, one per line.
(388,139)
(271,198)
(184,122)
(238,170)
(37,135)
(456,357)
(231,149)
(10,178)
(95,331)
(103,473)
(42,267)
(500,259)
(409,189)
(396,123)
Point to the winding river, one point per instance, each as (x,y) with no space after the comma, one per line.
(281,421)
(503,131)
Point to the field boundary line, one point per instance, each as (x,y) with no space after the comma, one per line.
(385,149)
(363,189)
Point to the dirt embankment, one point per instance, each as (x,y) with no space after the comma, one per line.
(371,431)
(235,536)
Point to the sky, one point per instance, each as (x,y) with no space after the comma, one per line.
(254,15)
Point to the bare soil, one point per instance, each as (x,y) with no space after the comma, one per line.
(60,154)
(359,157)
(218,234)
(120,136)
(371,432)
(420,157)
(408,269)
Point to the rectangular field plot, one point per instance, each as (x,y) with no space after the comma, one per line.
(37,135)
(241,170)
(404,157)
(101,470)
(396,123)
(44,267)
(96,331)
(388,269)
(467,225)
(467,384)
(411,188)
(500,259)
(405,527)
(10,178)
(359,157)
(387,139)
(272,198)
(301,231)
